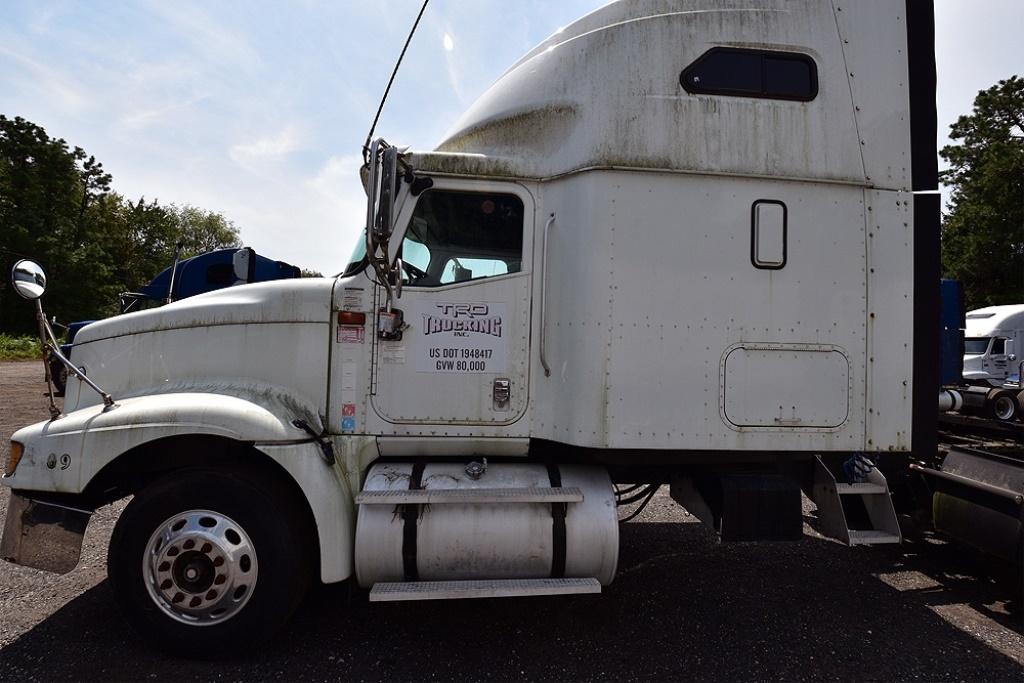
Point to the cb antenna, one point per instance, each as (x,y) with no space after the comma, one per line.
(373,126)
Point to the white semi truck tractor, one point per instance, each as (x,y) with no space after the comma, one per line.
(677,243)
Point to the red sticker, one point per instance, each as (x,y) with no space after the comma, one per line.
(348,409)
(351,334)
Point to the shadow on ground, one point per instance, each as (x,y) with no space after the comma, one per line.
(682,607)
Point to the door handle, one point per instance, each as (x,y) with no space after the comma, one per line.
(543,294)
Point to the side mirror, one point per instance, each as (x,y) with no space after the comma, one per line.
(28,279)
(384,224)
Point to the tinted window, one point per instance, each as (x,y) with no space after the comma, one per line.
(729,70)
(752,73)
(976,345)
(999,346)
(788,77)
(460,236)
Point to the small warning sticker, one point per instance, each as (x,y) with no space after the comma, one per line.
(352,299)
(351,334)
(348,424)
(348,409)
(393,353)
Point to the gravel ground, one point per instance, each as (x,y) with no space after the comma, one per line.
(682,607)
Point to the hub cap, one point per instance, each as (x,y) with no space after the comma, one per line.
(200,567)
(1005,408)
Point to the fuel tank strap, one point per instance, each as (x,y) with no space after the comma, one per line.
(410,513)
(558,534)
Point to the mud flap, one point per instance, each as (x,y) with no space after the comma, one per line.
(43,535)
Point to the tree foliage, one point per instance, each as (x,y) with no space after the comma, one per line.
(983,233)
(57,208)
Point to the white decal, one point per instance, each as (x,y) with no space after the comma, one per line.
(462,337)
(352,299)
(392,353)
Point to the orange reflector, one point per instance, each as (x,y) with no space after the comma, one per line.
(13,458)
(351,318)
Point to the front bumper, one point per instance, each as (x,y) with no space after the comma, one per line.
(43,535)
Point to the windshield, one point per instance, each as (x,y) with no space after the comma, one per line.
(357,260)
(976,345)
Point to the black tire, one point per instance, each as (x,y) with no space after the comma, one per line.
(1003,406)
(266,513)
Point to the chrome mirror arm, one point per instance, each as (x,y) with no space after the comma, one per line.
(52,348)
(45,331)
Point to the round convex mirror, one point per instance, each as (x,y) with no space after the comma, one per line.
(28,279)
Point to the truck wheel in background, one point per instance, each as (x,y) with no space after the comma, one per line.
(207,563)
(1004,406)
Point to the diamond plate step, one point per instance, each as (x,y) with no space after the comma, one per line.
(865,489)
(493,588)
(871,537)
(568,494)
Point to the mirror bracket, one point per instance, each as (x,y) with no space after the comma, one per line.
(383,178)
(51,348)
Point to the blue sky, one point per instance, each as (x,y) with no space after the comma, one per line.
(258,110)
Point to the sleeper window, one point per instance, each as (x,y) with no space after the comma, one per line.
(460,236)
(752,73)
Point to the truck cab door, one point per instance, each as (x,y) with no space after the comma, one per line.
(999,356)
(464,353)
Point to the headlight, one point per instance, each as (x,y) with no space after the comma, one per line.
(13,458)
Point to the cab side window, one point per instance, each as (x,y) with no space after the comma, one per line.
(456,236)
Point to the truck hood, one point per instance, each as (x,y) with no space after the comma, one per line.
(281,301)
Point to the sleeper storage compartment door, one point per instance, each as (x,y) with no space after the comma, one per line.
(784,386)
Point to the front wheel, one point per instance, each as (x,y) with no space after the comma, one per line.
(206,561)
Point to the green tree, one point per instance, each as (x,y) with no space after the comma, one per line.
(983,233)
(42,195)
(57,208)
(201,231)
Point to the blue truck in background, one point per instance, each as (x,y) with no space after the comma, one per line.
(186,277)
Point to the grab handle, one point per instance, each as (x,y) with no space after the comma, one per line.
(543,293)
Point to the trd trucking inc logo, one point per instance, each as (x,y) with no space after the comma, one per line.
(461,319)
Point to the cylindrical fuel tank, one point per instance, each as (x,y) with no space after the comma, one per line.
(461,541)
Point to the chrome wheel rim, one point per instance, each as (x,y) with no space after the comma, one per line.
(200,567)
(1005,408)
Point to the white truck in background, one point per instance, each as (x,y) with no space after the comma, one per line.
(676,243)
(993,342)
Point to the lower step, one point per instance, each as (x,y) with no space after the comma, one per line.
(871,537)
(492,588)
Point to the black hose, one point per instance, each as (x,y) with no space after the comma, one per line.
(628,489)
(634,498)
(642,505)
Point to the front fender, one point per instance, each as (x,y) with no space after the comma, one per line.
(64,455)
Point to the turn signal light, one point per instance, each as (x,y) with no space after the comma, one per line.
(13,458)
(351,318)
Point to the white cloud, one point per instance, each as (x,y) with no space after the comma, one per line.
(46,80)
(266,148)
(216,42)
